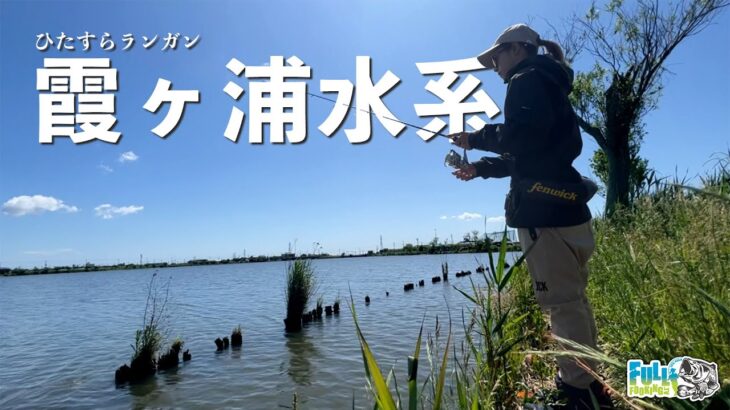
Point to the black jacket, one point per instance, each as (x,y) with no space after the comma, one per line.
(540,134)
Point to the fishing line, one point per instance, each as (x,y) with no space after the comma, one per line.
(463,158)
(350,107)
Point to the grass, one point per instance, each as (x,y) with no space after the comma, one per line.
(379,385)
(149,340)
(659,277)
(485,370)
(488,373)
(300,287)
(659,289)
(659,283)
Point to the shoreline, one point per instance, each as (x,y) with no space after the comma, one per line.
(479,247)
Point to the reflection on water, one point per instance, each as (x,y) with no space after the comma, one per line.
(171,376)
(301,353)
(236,352)
(143,393)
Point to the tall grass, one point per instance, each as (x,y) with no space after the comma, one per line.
(380,386)
(487,370)
(149,339)
(300,287)
(659,278)
(488,366)
(659,286)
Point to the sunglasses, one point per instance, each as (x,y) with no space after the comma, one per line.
(497,52)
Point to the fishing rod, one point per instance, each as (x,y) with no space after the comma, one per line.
(350,107)
(453,159)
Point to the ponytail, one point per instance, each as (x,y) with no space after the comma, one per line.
(553,49)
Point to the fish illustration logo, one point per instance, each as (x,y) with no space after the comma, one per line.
(700,379)
(683,377)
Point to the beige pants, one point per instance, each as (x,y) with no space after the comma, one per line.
(558,265)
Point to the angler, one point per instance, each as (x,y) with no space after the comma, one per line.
(547,201)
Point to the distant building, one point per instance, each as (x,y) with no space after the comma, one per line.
(288,256)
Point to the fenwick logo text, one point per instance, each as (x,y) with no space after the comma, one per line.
(684,377)
(560,193)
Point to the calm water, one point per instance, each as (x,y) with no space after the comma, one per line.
(62,336)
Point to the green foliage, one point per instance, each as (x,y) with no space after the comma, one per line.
(640,175)
(378,385)
(587,96)
(630,44)
(658,287)
(149,340)
(487,373)
(413,371)
(659,278)
(300,287)
(489,366)
(383,397)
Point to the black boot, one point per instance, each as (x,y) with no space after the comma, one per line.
(602,395)
(574,398)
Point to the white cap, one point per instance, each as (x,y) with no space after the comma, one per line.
(518,33)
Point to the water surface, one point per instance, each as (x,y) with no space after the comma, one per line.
(62,336)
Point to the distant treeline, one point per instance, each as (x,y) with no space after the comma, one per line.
(408,249)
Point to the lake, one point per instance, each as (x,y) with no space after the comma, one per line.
(63,336)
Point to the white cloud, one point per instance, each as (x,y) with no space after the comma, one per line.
(52,252)
(466,216)
(107,211)
(469,216)
(36,204)
(106,168)
(128,156)
(496,219)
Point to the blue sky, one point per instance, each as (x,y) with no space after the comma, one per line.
(203,196)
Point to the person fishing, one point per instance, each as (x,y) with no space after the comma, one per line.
(547,201)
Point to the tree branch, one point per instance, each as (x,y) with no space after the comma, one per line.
(594,132)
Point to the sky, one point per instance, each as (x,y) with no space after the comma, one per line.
(196,194)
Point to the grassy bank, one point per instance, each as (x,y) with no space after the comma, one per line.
(660,278)
(659,289)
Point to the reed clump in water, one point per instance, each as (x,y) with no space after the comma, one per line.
(148,340)
(300,287)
